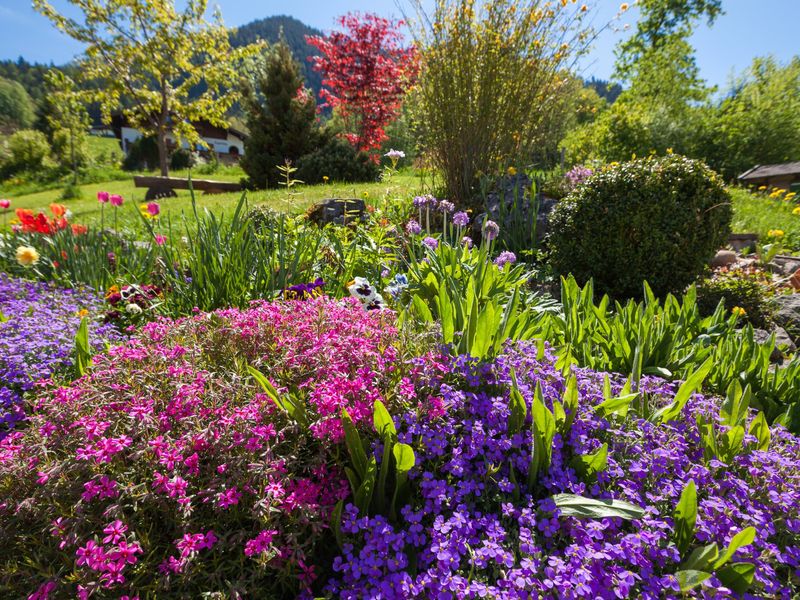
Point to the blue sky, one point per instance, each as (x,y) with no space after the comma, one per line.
(749,28)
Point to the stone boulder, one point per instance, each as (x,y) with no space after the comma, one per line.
(723,258)
(338,211)
(787,315)
(783,343)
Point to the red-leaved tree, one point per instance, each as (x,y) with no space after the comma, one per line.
(367,71)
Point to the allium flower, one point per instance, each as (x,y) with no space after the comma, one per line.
(103,197)
(577,174)
(446,206)
(505,258)
(466,241)
(431,243)
(426,201)
(461,219)
(4,203)
(116,200)
(413,228)
(27,256)
(490,230)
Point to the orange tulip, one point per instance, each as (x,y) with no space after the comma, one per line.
(58,210)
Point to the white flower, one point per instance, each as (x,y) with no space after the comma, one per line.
(394,155)
(133,309)
(362,289)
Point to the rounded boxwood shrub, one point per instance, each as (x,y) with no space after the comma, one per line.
(338,161)
(658,220)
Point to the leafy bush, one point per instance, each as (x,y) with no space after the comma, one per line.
(537,485)
(142,155)
(17,110)
(339,161)
(658,220)
(26,150)
(737,288)
(181,159)
(189,479)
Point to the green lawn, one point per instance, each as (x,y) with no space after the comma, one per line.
(87,208)
(755,213)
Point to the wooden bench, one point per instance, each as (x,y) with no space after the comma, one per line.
(164,187)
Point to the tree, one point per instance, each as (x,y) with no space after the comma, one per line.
(366,74)
(69,121)
(281,118)
(16,106)
(149,60)
(489,99)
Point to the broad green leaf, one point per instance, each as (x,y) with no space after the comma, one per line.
(83,351)
(544,428)
(382,420)
(572,505)
(744,538)
(445,307)
(686,517)
(336,523)
(690,579)
(569,402)
(760,429)
(691,385)
(355,446)
(618,405)
(517,408)
(404,457)
(737,576)
(731,443)
(702,558)
(363,496)
(422,310)
(589,465)
(293,407)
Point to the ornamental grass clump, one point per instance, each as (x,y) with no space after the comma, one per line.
(38,324)
(591,500)
(168,471)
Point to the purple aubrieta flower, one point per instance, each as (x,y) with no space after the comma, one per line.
(446,206)
(490,230)
(431,243)
(461,219)
(413,228)
(505,258)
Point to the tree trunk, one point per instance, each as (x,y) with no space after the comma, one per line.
(163,158)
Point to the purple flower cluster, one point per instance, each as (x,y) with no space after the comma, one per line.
(477,531)
(577,174)
(37,337)
(426,201)
(505,258)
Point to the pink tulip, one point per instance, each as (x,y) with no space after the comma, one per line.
(5,203)
(116,200)
(160,239)
(102,197)
(153,208)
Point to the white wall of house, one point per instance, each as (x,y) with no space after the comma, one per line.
(219,145)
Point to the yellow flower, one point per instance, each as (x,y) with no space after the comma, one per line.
(584,8)
(27,256)
(775,233)
(738,311)
(761,188)
(623,7)
(365,194)
(83,312)
(796,211)
(669,150)
(511,171)
(325,178)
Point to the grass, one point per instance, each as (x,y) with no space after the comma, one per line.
(87,210)
(755,213)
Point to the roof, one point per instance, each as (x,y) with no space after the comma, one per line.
(203,127)
(761,171)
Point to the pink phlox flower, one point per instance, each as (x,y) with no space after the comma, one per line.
(115,531)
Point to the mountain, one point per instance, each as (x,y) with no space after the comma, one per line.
(294,33)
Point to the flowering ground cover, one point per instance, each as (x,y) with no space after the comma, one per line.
(37,337)
(482,528)
(167,470)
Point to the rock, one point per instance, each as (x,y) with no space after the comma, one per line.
(787,315)
(742,241)
(783,343)
(509,205)
(723,258)
(788,264)
(337,211)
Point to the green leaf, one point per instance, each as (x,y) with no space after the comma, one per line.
(737,576)
(422,310)
(83,351)
(354,446)
(701,558)
(572,505)
(363,496)
(516,406)
(445,307)
(382,420)
(569,402)
(336,523)
(691,385)
(589,465)
(686,517)
(293,407)
(404,457)
(760,429)
(690,579)
(544,429)
(618,405)
(744,538)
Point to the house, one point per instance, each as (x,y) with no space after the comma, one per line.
(785,176)
(227,143)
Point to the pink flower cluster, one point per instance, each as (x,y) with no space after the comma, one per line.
(173,441)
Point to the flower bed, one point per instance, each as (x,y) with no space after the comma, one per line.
(168,471)
(476,531)
(37,337)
